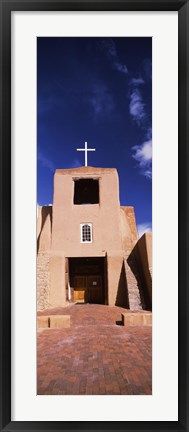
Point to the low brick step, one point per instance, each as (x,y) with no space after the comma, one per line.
(53,321)
(136,318)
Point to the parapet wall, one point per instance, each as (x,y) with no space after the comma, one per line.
(44,229)
(128,229)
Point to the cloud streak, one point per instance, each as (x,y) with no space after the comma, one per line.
(141,115)
(101,102)
(147,67)
(137,107)
(45,162)
(137,81)
(109,47)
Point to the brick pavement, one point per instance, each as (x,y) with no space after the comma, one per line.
(95,356)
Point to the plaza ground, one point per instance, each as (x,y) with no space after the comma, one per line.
(95,356)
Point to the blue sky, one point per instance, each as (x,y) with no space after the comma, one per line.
(97,90)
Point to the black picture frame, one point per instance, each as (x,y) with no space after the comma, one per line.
(6,7)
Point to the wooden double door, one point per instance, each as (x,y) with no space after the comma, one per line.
(88,289)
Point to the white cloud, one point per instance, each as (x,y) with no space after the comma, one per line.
(137,81)
(142,228)
(137,107)
(143,155)
(142,116)
(120,67)
(47,163)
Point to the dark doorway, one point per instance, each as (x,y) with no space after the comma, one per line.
(87,278)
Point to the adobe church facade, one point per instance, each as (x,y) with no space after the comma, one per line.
(87,245)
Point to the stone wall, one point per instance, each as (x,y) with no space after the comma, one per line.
(43,285)
(134,296)
(140,261)
(43,257)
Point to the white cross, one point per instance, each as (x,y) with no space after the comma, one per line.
(86,150)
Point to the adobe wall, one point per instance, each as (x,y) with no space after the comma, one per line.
(130,214)
(128,229)
(104,216)
(57,295)
(114,236)
(105,219)
(44,227)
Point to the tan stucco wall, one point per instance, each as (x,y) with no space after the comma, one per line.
(128,229)
(114,271)
(57,296)
(104,216)
(44,228)
(130,213)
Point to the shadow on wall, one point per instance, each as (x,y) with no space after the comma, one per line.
(140,261)
(45,212)
(122,292)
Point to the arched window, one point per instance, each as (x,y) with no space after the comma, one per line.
(86,233)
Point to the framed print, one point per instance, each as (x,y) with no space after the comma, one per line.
(94,153)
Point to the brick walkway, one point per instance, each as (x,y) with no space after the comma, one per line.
(95,356)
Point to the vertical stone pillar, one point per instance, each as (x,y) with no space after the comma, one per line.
(133,290)
(57,294)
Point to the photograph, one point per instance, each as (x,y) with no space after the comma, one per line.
(94,158)
(94,216)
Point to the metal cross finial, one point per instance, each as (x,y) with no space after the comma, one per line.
(86,150)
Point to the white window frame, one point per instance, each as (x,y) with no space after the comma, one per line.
(81,232)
